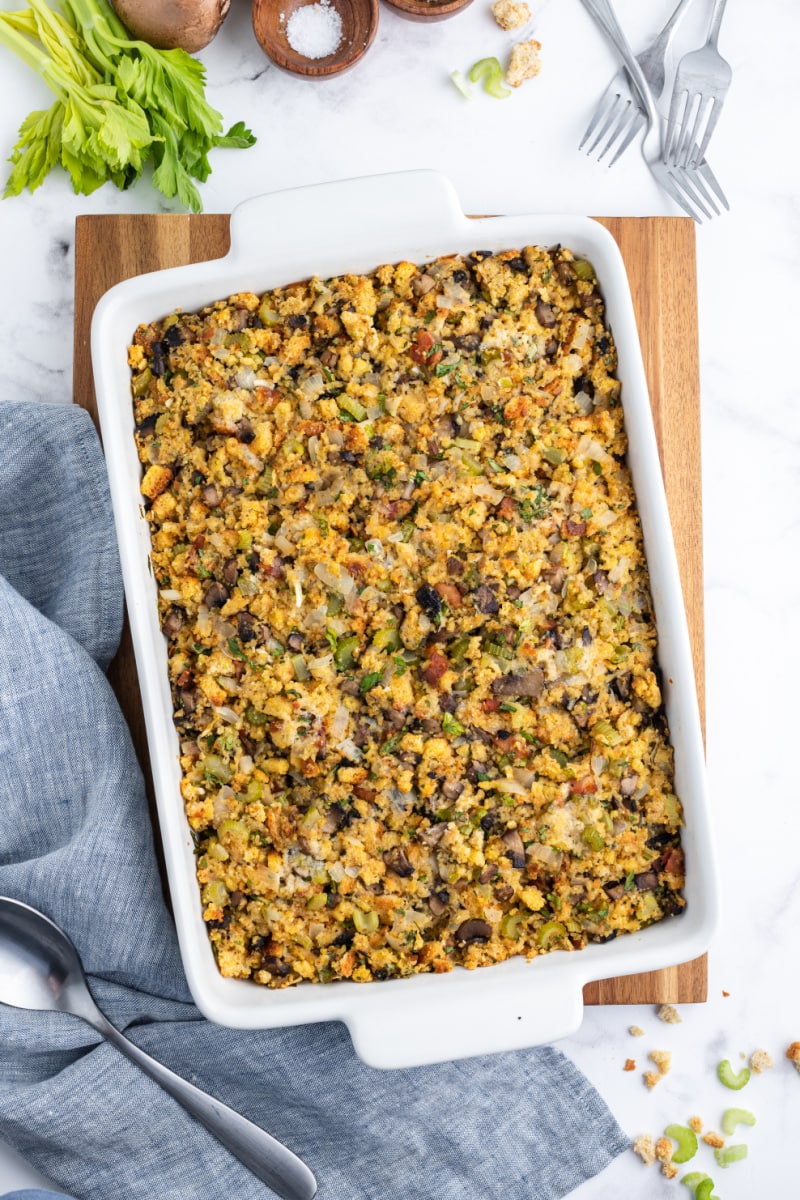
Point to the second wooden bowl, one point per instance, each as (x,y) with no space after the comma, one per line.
(359,25)
(428,10)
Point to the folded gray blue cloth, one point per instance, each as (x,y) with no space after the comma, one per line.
(76,842)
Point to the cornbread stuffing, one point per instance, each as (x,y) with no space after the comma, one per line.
(410,635)
(509,15)
(524,63)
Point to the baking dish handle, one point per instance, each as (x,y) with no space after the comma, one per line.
(442,1028)
(396,205)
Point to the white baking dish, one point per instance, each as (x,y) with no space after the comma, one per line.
(354,226)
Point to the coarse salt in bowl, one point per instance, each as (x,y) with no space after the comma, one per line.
(315,38)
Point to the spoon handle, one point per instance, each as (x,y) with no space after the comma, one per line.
(261,1153)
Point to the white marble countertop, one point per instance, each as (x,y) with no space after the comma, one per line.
(398,110)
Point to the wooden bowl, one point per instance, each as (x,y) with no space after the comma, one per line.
(359,26)
(427,10)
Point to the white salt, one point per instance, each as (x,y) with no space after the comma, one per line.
(315,30)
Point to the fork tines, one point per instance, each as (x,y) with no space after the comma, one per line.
(616,122)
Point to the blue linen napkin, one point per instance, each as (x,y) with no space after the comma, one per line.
(76,842)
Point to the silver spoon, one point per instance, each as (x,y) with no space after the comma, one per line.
(40,969)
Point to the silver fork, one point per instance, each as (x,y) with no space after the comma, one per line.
(619,117)
(680,183)
(701,84)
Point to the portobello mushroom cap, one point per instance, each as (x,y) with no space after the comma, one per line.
(169,24)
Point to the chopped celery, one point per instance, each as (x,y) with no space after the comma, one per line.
(344,654)
(300,668)
(699,1183)
(509,925)
(551,931)
(387,638)
(365,922)
(490,71)
(584,270)
(254,716)
(553,455)
(499,650)
(353,407)
(735,1080)
(215,892)
(736,1116)
(730,1154)
(459,81)
(687,1142)
(592,838)
(214,767)
(317,901)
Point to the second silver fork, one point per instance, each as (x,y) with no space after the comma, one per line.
(619,116)
(681,184)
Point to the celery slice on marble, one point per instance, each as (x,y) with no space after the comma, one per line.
(732,1079)
(730,1154)
(736,1116)
(687,1142)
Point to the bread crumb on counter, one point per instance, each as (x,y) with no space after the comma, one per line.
(714,1139)
(669,1014)
(524,62)
(664,1150)
(630,1064)
(760,1061)
(644,1146)
(662,1059)
(793,1054)
(636,1031)
(510,15)
(669,1170)
(696,1124)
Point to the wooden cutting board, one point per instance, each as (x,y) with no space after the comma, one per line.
(659,254)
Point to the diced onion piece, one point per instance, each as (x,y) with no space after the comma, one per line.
(227,714)
(341,719)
